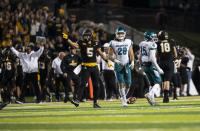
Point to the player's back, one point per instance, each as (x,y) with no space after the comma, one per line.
(166,50)
(121,49)
(145,47)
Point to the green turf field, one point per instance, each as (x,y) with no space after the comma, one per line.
(180,115)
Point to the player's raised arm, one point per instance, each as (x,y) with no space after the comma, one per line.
(74,44)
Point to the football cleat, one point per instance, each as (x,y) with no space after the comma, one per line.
(96,105)
(148,97)
(124,103)
(75,102)
(3,105)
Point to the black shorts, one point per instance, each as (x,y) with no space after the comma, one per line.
(168,68)
(19,80)
(176,79)
(183,74)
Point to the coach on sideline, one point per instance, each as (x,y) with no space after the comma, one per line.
(29,61)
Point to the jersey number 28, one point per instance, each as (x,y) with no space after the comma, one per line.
(122,51)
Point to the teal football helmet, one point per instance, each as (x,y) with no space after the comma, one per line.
(120,33)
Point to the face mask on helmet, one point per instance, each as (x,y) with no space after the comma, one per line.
(87,35)
(150,36)
(120,33)
(163,35)
(154,37)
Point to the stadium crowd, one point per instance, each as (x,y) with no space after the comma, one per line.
(41,71)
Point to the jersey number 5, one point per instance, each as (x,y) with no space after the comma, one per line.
(89,52)
(165,47)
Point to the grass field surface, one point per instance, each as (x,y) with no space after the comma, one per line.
(181,115)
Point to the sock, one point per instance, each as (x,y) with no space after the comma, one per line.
(175,96)
(127,90)
(154,90)
(122,93)
(151,93)
(166,94)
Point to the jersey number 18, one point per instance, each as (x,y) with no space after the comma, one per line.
(165,47)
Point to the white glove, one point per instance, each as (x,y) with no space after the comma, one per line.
(118,62)
(131,65)
(160,71)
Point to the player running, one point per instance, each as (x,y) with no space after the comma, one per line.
(149,65)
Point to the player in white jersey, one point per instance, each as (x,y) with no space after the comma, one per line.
(149,65)
(124,61)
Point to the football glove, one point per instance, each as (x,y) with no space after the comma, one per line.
(118,62)
(109,64)
(160,71)
(65,36)
(131,65)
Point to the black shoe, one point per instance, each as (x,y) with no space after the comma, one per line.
(166,100)
(175,98)
(66,100)
(19,102)
(75,102)
(3,105)
(96,105)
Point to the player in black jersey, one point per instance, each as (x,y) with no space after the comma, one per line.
(1,69)
(88,49)
(7,82)
(19,75)
(166,53)
(44,69)
(68,64)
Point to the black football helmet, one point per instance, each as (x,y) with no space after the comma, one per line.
(163,35)
(87,32)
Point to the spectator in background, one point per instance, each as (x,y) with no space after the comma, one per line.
(60,44)
(183,72)
(189,69)
(72,20)
(161,19)
(184,5)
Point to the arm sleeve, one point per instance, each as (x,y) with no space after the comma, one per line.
(17,53)
(39,52)
(64,65)
(152,58)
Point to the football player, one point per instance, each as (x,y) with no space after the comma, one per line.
(148,60)
(166,53)
(7,82)
(19,75)
(89,67)
(44,69)
(124,61)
